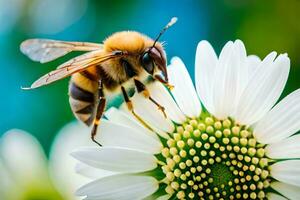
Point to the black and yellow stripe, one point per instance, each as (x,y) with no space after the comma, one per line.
(83,97)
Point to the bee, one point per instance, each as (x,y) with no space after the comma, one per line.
(126,57)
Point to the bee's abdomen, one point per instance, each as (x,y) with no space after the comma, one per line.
(82,98)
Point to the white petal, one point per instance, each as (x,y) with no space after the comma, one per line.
(281,122)
(248,66)
(263,89)
(122,187)
(220,87)
(151,128)
(252,62)
(116,159)
(205,66)
(287,148)
(273,196)
(92,172)
(184,91)
(120,117)
(163,97)
(164,197)
(289,191)
(8,188)
(229,81)
(70,137)
(157,197)
(242,71)
(111,134)
(22,153)
(287,171)
(150,114)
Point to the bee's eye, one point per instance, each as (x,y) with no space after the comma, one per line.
(147,63)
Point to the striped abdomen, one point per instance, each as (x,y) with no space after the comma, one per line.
(83,97)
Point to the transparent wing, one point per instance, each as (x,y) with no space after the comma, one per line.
(72,66)
(44,50)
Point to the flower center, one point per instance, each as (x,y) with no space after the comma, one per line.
(207,158)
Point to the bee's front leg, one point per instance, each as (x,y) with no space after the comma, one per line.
(141,88)
(99,112)
(160,79)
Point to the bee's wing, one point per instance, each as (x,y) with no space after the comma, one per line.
(72,66)
(44,50)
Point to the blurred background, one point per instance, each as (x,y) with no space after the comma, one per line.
(262,25)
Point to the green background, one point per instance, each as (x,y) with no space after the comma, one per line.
(264,26)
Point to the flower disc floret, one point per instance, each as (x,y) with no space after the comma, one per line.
(218,159)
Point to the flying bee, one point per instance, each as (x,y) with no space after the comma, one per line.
(124,57)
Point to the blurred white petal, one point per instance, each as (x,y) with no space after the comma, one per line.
(22,153)
(61,164)
(8,188)
(66,13)
(10,13)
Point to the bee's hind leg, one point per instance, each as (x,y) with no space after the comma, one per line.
(141,88)
(99,112)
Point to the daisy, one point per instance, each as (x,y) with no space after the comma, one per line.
(23,168)
(225,140)
(26,173)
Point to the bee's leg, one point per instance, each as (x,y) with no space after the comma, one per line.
(130,108)
(99,112)
(160,79)
(141,88)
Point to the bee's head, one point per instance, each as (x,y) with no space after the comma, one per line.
(153,60)
(155,56)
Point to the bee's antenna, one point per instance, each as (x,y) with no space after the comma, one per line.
(172,21)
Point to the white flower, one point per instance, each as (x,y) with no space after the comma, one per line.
(24,168)
(61,165)
(235,144)
(23,171)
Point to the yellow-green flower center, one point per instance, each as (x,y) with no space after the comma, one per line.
(214,159)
